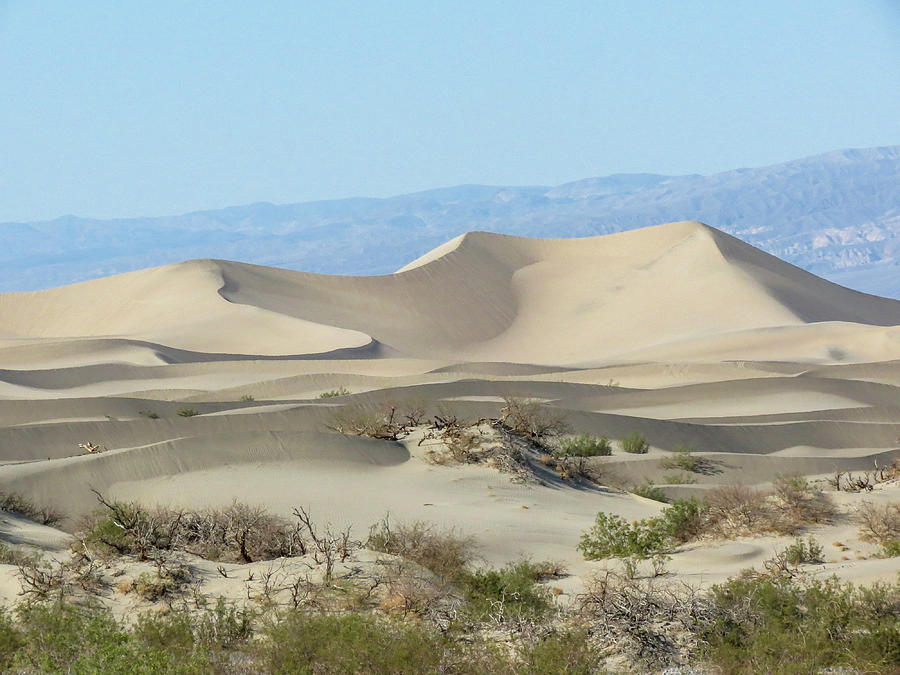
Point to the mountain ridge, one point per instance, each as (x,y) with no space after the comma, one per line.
(836,215)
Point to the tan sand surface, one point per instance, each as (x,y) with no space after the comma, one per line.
(679,332)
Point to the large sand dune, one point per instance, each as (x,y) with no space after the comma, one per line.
(680,332)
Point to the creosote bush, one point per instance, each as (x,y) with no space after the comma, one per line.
(585,445)
(187,412)
(635,444)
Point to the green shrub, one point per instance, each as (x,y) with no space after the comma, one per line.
(683,520)
(187,412)
(585,445)
(334,393)
(515,586)
(650,491)
(612,536)
(891,548)
(804,552)
(635,444)
(757,625)
(149,414)
(247,398)
(349,644)
(562,654)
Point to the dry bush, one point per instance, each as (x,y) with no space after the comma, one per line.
(527,417)
(651,620)
(736,509)
(866,481)
(327,546)
(23,506)
(443,551)
(389,424)
(800,504)
(462,440)
(880,524)
(238,532)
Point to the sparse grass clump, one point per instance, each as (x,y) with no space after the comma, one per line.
(650,491)
(679,478)
(187,412)
(334,393)
(635,444)
(683,458)
(585,445)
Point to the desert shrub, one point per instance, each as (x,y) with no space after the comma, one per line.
(561,654)
(612,536)
(879,524)
(802,551)
(890,548)
(509,592)
(800,503)
(11,640)
(773,624)
(349,644)
(527,417)
(239,532)
(23,506)
(187,412)
(683,458)
(334,393)
(246,398)
(389,423)
(444,552)
(635,444)
(649,620)
(14,556)
(684,519)
(737,509)
(65,638)
(149,414)
(585,445)
(650,491)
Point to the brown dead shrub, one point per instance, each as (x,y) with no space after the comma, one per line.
(879,523)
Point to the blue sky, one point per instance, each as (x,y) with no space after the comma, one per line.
(150,108)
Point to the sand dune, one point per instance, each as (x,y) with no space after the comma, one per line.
(679,332)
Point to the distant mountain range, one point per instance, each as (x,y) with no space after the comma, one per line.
(836,215)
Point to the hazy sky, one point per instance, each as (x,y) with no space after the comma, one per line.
(150,108)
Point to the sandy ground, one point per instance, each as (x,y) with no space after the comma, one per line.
(679,332)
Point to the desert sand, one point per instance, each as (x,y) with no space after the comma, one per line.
(679,332)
